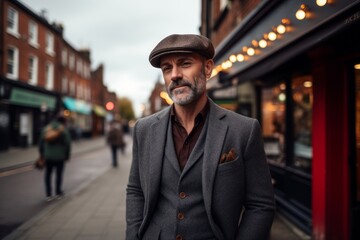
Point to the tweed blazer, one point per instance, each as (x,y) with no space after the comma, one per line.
(238,195)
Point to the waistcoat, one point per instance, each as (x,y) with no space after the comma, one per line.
(180,209)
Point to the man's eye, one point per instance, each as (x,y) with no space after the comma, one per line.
(186,64)
(165,69)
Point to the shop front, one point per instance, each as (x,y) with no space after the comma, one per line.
(303,88)
(78,113)
(99,114)
(24,111)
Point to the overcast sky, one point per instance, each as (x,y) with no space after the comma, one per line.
(121,34)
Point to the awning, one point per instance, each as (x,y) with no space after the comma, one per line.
(99,110)
(76,105)
(302,35)
(29,98)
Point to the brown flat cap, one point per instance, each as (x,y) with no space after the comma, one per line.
(181,43)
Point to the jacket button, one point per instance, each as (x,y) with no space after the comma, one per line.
(182,195)
(181,216)
(179,237)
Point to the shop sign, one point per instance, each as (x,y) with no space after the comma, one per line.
(30,98)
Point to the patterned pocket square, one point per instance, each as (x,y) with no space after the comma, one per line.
(228,157)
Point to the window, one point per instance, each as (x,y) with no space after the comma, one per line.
(33,70)
(33,34)
(223,4)
(12,64)
(64,84)
(72,87)
(49,76)
(79,67)
(302,113)
(273,117)
(72,61)
(49,44)
(287,140)
(64,57)
(13,22)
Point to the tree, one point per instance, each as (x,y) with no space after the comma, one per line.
(126,108)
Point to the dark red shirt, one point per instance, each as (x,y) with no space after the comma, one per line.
(185,143)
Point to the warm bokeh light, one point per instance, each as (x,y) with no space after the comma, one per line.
(263,43)
(301,13)
(250,51)
(281,29)
(232,58)
(308,84)
(321,3)
(240,57)
(66,113)
(272,36)
(109,106)
(357,66)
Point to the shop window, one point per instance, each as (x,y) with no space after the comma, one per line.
(302,96)
(273,122)
(12,64)
(33,70)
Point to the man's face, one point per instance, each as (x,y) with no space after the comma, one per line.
(185,76)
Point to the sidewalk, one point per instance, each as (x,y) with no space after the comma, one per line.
(19,157)
(98,210)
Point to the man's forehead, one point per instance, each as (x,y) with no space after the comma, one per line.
(178,56)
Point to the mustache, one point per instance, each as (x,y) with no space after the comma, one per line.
(179,83)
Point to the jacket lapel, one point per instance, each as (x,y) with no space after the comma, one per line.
(215,139)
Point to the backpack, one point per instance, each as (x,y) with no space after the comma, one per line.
(52,134)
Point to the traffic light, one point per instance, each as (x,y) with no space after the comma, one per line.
(109,106)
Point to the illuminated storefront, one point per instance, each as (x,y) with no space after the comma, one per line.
(293,64)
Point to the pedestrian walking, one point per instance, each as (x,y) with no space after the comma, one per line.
(115,139)
(198,171)
(55,147)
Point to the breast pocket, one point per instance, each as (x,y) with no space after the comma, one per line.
(229,167)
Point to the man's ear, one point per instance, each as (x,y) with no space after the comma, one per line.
(209,65)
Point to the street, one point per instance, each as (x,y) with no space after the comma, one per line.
(23,195)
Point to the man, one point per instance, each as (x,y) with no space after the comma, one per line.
(198,171)
(116,140)
(54,146)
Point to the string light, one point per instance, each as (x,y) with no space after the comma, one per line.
(272,36)
(240,57)
(301,12)
(321,3)
(250,51)
(263,43)
(232,58)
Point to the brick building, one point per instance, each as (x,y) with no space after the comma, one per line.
(42,75)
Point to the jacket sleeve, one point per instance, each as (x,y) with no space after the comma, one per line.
(134,195)
(259,199)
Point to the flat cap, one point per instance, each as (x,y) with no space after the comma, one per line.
(181,43)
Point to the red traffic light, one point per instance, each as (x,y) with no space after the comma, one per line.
(109,106)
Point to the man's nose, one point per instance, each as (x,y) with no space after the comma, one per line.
(176,74)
